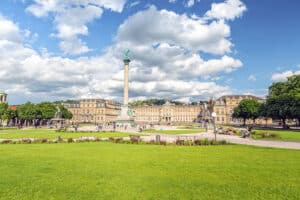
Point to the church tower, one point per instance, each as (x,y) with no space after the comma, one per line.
(3,97)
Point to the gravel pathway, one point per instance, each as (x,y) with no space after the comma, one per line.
(229,138)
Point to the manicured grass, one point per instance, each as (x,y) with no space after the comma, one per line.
(175,132)
(192,126)
(286,135)
(123,171)
(51,134)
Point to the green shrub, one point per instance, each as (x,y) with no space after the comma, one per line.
(70,140)
(222,142)
(197,142)
(134,139)
(118,140)
(269,135)
(43,140)
(188,143)
(6,141)
(25,141)
(127,142)
(205,142)
(214,142)
(179,142)
(151,142)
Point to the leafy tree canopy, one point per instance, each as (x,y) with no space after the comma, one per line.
(47,110)
(154,102)
(247,109)
(283,101)
(28,111)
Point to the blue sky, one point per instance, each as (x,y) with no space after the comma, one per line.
(185,50)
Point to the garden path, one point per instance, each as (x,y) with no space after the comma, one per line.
(229,138)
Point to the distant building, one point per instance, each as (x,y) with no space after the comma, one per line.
(3,97)
(100,111)
(13,107)
(224,107)
(167,114)
(97,111)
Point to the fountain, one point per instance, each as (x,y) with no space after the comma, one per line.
(58,120)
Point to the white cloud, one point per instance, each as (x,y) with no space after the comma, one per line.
(71,18)
(166,45)
(284,75)
(172,1)
(166,59)
(229,10)
(190,3)
(251,77)
(169,27)
(9,31)
(134,3)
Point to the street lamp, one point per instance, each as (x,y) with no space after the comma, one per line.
(214,115)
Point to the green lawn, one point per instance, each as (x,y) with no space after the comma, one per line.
(175,132)
(124,171)
(51,134)
(286,135)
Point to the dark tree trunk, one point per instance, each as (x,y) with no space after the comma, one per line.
(244,121)
(284,126)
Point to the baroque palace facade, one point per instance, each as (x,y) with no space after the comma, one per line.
(225,105)
(167,114)
(100,111)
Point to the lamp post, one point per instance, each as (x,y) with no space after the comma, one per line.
(214,115)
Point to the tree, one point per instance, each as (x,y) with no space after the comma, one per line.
(295,109)
(263,111)
(294,91)
(28,112)
(247,109)
(3,111)
(66,114)
(11,115)
(47,111)
(151,102)
(283,101)
(279,107)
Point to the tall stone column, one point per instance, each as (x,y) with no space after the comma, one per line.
(125,116)
(126,69)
